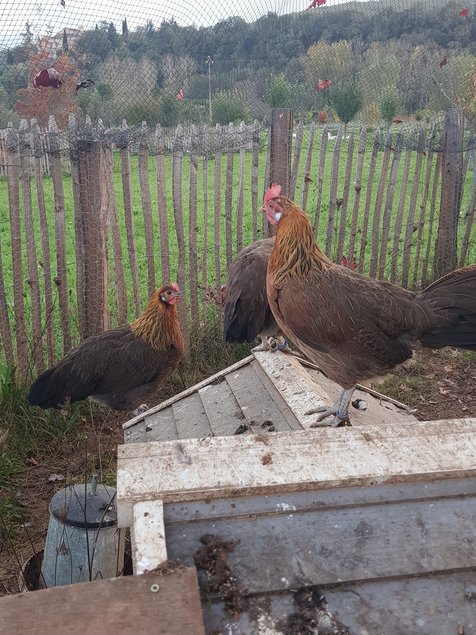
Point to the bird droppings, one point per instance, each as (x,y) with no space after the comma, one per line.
(215,577)
(360,404)
(266,459)
(269,425)
(262,438)
(242,428)
(312,616)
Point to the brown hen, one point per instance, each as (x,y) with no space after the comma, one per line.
(121,368)
(356,328)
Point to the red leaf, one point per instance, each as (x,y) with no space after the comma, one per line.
(397,120)
(179,95)
(464,13)
(316,3)
(322,84)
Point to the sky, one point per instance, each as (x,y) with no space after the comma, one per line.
(49,15)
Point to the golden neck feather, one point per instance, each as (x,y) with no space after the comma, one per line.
(296,252)
(159,326)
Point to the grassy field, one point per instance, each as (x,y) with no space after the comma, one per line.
(209,165)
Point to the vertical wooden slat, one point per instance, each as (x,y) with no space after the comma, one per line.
(119,278)
(205,219)
(143,163)
(469,216)
(101,210)
(424,200)
(307,168)
(241,186)
(13,163)
(397,228)
(229,196)
(217,210)
(387,211)
(193,228)
(429,245)
(177,158)
(320,178)
(265,226)
(5,329)
(378,207)
(280,149)
(451,187)
(129,215)
(333,191)
(407,247)
(296,159)
(357,190)
(25,145)
(61,278)
(345,199)
(162,206)
(45,243)
(254,179)
(368,200)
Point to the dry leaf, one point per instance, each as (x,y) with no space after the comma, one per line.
(32,461)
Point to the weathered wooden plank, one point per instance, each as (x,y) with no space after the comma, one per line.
(161,426)
(240,193)
(333,190)
(469,230)
(307,168)
(294,384)
(188,391)
(296,160)
(222,409)
(378,207)
(190,418)
(148,536)
(357,190)
(162,205)
(329,545)
(143,164)
(298,460)
(177,159)
(125,605)
(229,196)
(217,212)
(345,199)
(368,200)
(320,178)
(26,148)
(278,399)
(13,171)
(45,243)
(397,228)
(5,329)
(429,244)
(266,227)
(129,217)
(254,178)
(257,406)
(205,225)
(193,228)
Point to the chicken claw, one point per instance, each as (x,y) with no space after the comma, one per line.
(339,412)
(277,344)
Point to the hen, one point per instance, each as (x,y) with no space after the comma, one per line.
(48,78)
(247,312)
(355,327)
(120,368)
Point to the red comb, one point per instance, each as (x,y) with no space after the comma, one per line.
(175,286)
(272,192)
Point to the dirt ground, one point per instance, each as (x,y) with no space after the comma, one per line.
(438,385)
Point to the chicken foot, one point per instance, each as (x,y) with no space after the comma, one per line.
(272,344)
(338,413)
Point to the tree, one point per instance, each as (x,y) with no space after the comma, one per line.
(388,107)
(346,99)
(280,91)
(112,35)
(227,108)
(125,30)
(10,57)
(41,103)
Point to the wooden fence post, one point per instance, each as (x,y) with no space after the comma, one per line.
(451,189)
(281,143)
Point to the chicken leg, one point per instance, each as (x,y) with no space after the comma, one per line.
(339,412)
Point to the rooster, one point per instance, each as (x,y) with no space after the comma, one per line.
(120,368)
(356,328)
(48,78)
(247,312)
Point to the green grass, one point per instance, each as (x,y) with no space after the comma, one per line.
(209,166)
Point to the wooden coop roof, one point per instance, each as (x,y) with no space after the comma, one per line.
(378,517)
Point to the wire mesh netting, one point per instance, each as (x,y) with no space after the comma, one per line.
(135,149)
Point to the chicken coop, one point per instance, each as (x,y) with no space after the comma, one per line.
(292,529)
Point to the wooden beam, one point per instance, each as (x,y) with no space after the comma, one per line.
(198,469)
(280,145)
(163,604)
(148,536)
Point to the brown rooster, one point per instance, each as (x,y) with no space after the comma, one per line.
(120,368)
(355,327)
(247,312)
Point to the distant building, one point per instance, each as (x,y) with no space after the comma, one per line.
(55,43)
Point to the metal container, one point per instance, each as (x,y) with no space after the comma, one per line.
(83,542)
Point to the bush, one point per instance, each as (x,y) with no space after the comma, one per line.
(227,108)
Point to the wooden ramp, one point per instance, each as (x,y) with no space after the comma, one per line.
(380,518)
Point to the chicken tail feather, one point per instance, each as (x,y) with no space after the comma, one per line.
(453,300)
(46,391)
